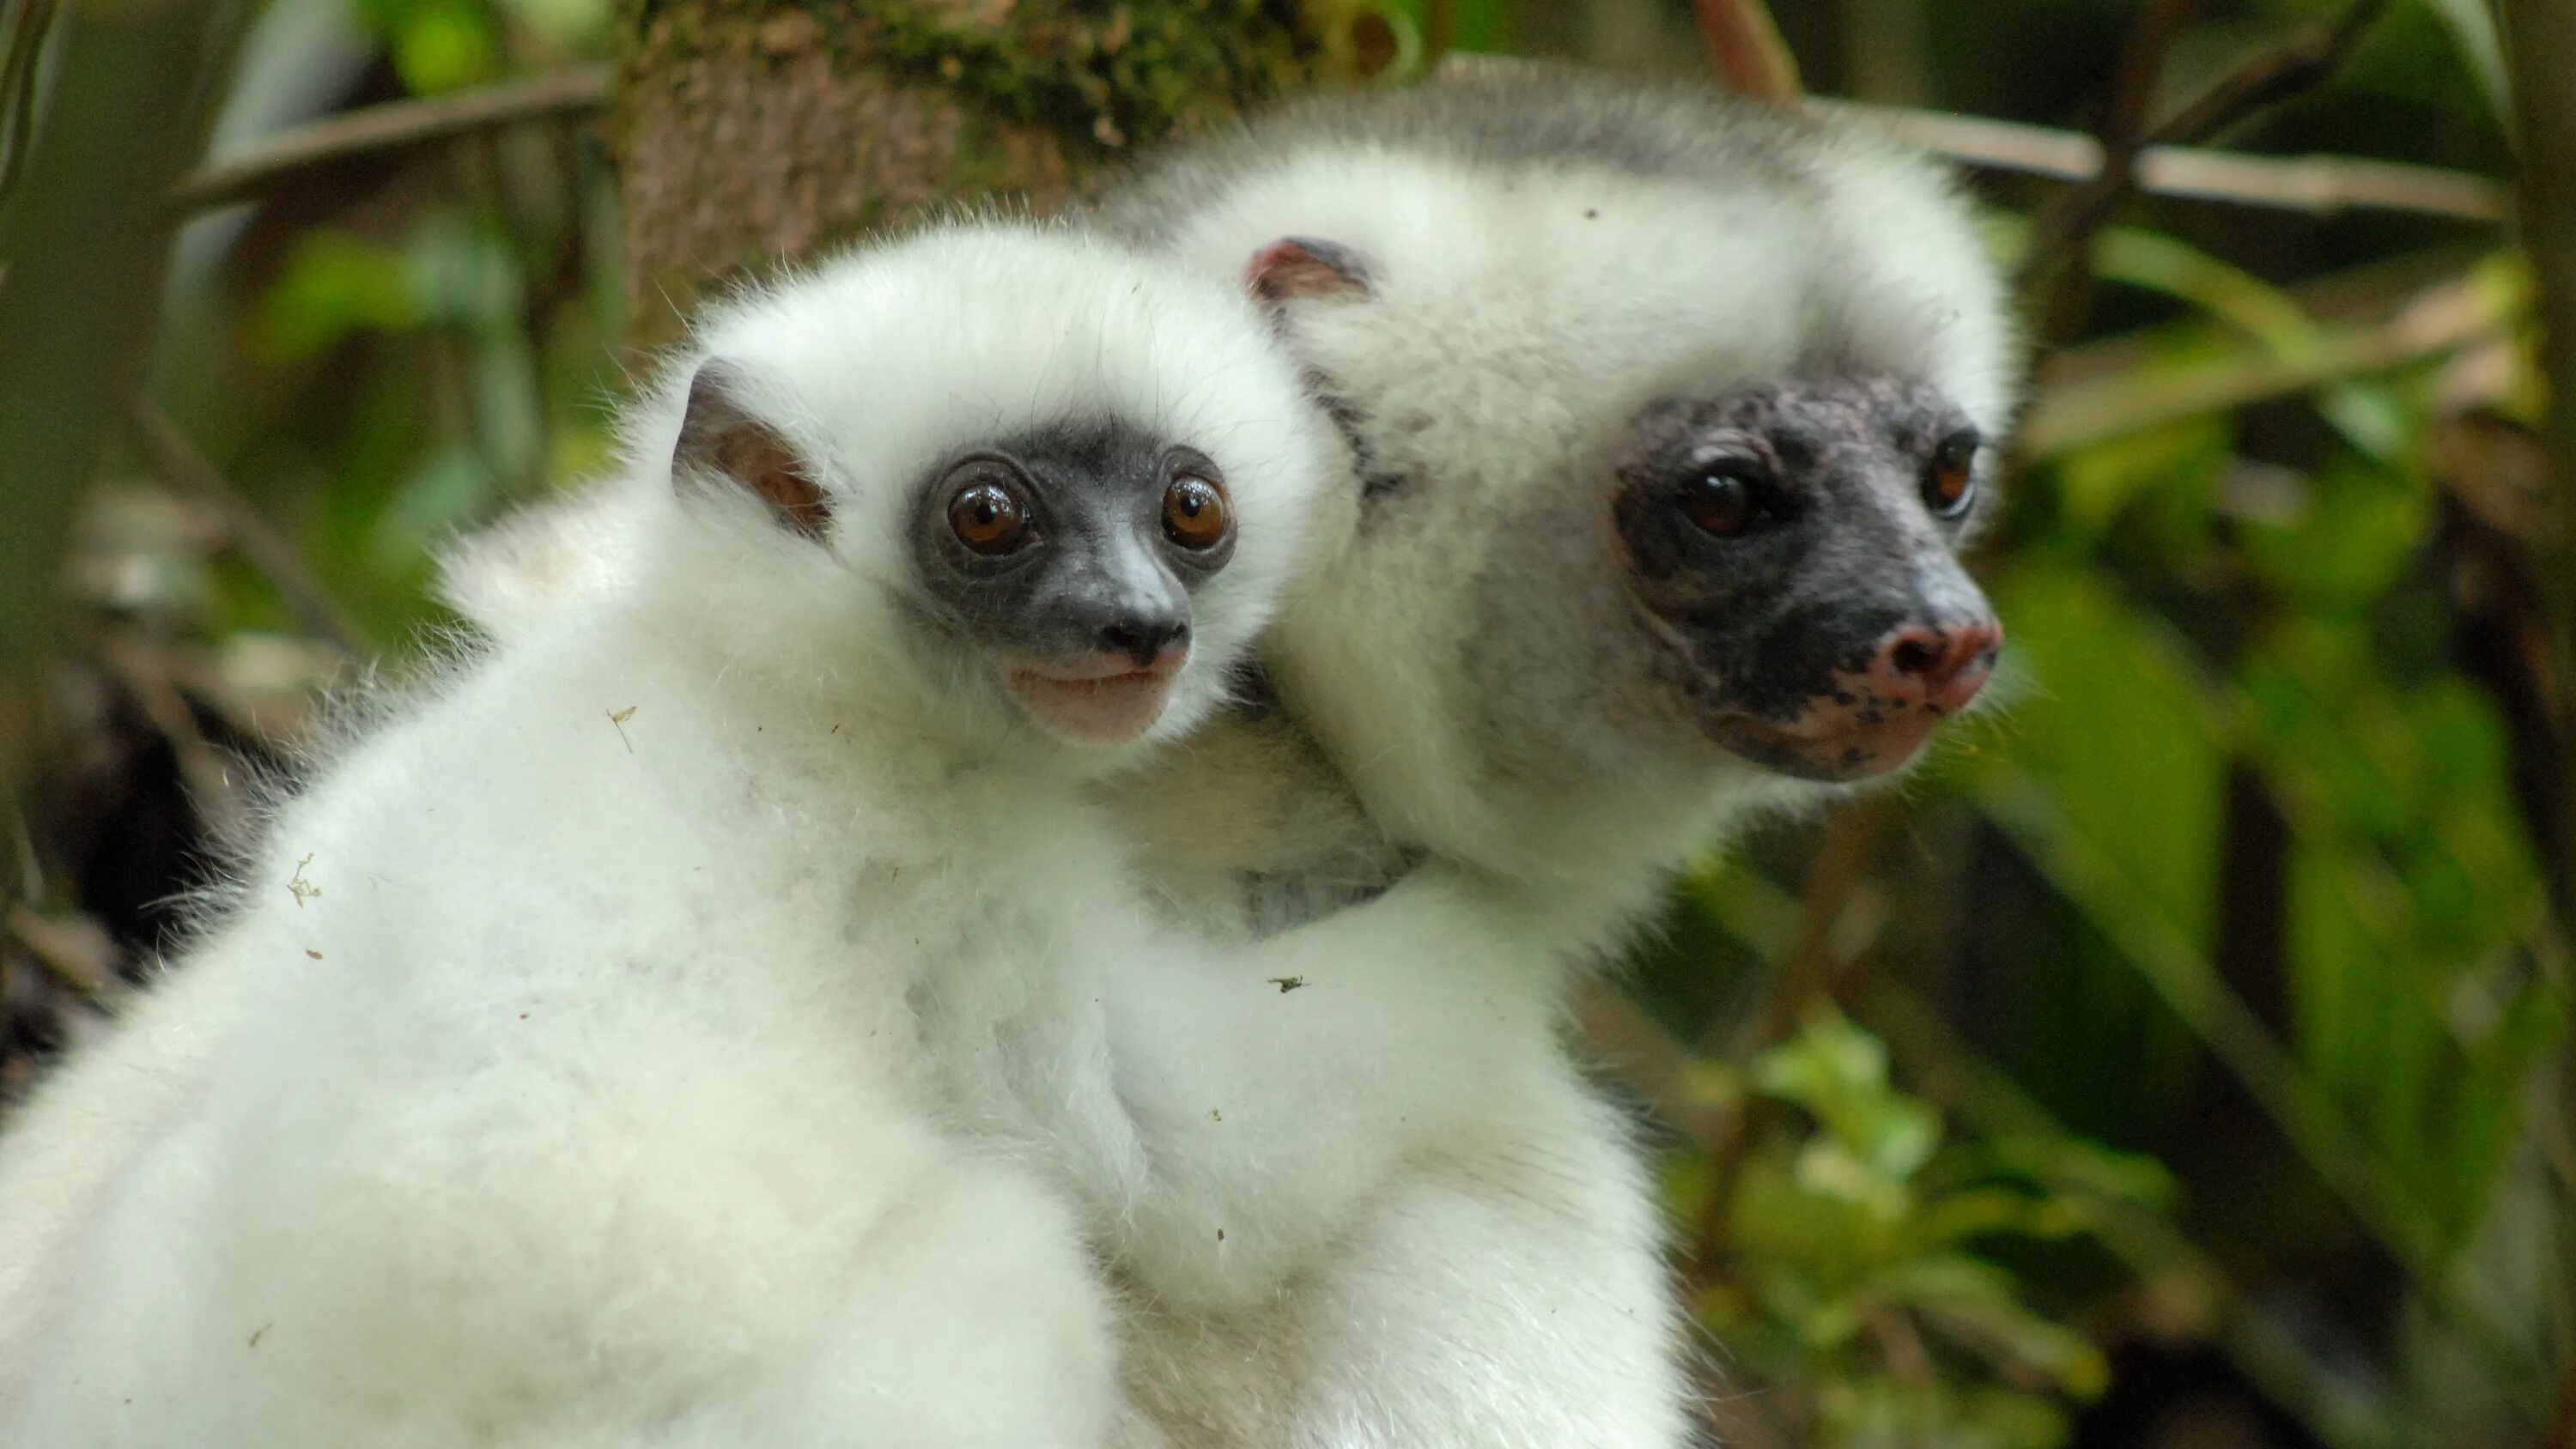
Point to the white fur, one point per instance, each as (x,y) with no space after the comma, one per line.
(1459,664)
(559,1079)
(1433,1232)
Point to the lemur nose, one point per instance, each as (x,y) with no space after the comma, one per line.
(1144,639)
(1939,666)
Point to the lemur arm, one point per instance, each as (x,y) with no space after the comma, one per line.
(1227,1107)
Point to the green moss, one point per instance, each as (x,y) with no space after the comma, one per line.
(1106,75)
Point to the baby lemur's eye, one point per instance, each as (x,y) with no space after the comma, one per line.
(989,518)
(1951,484)
(1722,500)
(1194,513)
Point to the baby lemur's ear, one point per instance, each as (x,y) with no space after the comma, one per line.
(720,435)
(1305,266)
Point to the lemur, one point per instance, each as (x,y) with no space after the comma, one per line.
(557,1075)
(1667,416)
(1663,420)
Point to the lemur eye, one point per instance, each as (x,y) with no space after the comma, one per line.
(1722,501)
(1951,484)
(1194,513)
(989,518)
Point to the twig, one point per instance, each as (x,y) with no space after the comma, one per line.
(393,126)
(1813,964)
(176,461)
(2320,184)
(2269,75)
(1745,47)
(75,948)
(1650,1062)
(1807,973)
(144,672)
(2439,319)
(2054,291)
(1440,33)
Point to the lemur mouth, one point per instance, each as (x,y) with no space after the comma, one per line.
(1103,699)
(1858,730)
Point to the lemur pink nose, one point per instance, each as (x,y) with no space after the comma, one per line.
(1940,667)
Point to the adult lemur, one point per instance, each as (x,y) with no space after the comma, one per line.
(558,1075)
(1665,416)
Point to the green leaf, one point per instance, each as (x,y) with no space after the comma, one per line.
(333,285)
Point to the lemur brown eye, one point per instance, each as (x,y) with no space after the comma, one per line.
(1722,502)
(1194,513)
(988,518)
(1951,485)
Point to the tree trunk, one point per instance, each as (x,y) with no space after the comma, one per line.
(755,131)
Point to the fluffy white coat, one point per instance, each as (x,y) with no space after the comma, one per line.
(560,1076)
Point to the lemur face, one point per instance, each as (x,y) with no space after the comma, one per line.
(1059,563)
(1637,546)
(1068,557)
(1790,549)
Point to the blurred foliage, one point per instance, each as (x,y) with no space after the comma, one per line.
(2157,1067)
(1855,1238)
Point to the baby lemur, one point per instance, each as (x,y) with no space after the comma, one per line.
(558,1075)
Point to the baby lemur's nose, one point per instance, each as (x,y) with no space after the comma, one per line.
(1145,638)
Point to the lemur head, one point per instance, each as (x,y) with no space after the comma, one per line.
(1009,475)
(1668,416)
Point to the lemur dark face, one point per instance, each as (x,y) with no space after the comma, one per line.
(1063,559)
(1791,547)
(1070,555)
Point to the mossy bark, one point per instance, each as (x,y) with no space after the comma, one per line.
(755,131)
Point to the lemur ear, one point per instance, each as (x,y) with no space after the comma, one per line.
(1305,266)
(720,435)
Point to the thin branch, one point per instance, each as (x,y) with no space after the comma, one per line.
(2323,185)
(1807,972)
(396,125)
(1745,47)
(2054,290)
(176,461)
(143,669)
(1651,1062)
(1440,35)
(2440,319)
(2269,75)
(74,948)
(2312,183)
